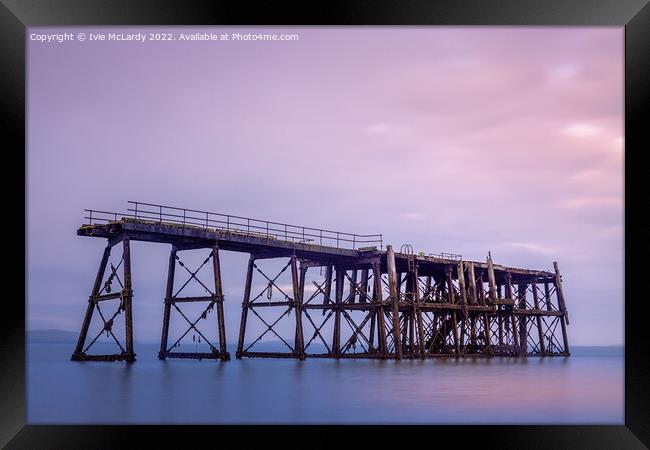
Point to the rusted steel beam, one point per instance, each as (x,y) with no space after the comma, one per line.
(437,306)
(503,301)
(392,286)
(291,303)
(218,294)
(245,306)
(128,357)
(359,355)
(169,292)
(330,307)
(194,355)
(268,355)
(533,312)
(350,263)
(206,298)
(104,297)
(91,305)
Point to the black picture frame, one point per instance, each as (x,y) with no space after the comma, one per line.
(634,15)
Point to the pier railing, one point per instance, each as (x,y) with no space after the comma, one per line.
(236,224)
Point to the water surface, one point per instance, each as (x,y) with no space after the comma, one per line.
(585,388)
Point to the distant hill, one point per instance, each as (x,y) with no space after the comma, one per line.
(52,336)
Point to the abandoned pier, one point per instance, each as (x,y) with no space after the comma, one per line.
(362,301)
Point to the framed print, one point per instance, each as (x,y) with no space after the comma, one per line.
(355,216)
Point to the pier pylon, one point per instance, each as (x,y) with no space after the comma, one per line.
(213,298)
(105,291)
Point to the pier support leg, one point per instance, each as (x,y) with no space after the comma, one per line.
(523,321)
(538,320)
(218,291)
(244,307)
(392,286)
(104,294)
(169,292)
(327,289)
(298,287)
(363,287)
(127,298)
(173,300)
(353,287)
(339,286)
(418,313)
(379,310)
(91,304)
(562,305)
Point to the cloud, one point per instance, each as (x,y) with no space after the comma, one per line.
(563,72)
(582,130)
(619,143)
(591,202)
(386,129)
(532,247)
(413,216)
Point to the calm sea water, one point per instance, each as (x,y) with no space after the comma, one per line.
(584,388)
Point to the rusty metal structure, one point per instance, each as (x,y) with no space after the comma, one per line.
(361,300)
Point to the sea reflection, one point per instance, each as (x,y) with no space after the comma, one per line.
(579,389)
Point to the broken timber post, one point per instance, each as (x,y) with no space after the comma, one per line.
(392,286)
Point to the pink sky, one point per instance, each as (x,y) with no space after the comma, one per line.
(455,139)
